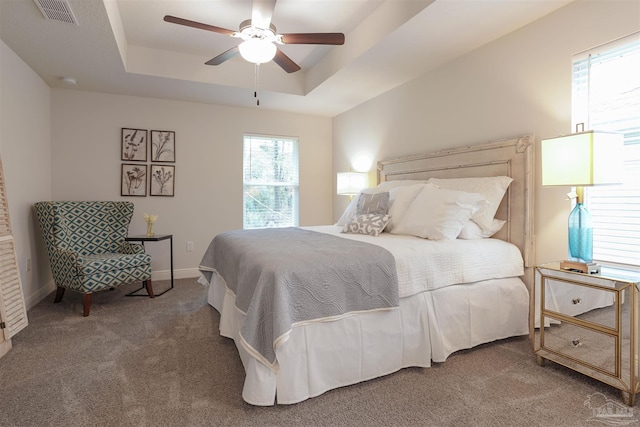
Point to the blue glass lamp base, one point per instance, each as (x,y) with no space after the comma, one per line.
(580,234)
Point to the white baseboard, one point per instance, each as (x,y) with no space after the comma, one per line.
(183,273)
(40,294)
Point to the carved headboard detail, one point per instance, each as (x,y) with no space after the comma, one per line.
(510,157)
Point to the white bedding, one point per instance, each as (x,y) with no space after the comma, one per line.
(427,265)
(427,327)
(454,295)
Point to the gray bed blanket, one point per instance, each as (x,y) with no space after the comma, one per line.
(283,276)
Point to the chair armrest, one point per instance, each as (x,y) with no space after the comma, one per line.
(131,248)
(65,260)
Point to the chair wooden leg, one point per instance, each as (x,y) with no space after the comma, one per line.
(59,295)
(147,284)
(86,300)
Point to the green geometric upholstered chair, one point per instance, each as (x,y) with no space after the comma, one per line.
(87,249)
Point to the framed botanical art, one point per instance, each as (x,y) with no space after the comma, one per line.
(162,180)
(134,145)
(163,146)
(133,180)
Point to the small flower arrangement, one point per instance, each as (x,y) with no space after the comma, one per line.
(150,219)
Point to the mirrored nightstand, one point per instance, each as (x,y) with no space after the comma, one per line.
(590,324)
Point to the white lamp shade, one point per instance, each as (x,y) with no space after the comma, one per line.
(582,159)
(351,183)
(257,51)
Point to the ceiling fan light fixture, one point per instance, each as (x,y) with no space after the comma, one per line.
(258,51)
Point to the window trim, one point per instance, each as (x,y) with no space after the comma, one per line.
(582,112)
(295,184)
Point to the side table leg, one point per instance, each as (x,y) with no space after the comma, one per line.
(171,249)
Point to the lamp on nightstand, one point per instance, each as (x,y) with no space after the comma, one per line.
(352,183)
(579,160)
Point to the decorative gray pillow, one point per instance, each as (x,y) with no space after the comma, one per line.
(377,203)
(370,224)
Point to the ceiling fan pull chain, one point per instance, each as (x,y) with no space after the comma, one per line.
(255,84)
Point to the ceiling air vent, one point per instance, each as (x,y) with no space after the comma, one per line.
(58,10)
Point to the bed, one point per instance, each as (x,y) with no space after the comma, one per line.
(447,295)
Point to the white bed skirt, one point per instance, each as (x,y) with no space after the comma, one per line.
(427,327)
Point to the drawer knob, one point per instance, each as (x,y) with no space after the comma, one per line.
(576,301)
(576,343)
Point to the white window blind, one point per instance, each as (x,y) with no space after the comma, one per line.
(270,182)
(606,97)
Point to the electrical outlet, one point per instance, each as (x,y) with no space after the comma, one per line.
(189,246)
(28,266)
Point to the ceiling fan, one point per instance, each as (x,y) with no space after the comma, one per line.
(259,38)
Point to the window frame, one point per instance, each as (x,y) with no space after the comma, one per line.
(612,207)
(251,185)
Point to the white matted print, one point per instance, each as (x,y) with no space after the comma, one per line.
(163,146)
(162,180)
(133,180)
(134,145)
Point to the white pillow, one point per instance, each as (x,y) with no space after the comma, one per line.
(492,188)
(439,214)
(350,212)
(472,231)
(400,198)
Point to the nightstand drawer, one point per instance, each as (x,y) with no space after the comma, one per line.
(576,300)
(582,344)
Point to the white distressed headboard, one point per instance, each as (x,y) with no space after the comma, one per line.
(510,157)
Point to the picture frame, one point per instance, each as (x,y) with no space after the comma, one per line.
(162,180)
(163,146)
(134,145)
(133,180)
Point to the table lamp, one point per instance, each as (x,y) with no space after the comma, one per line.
(579,160)
(352,183)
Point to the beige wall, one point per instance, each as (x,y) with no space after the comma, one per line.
(65,144)
(517,85)
(208,179)
(25,147)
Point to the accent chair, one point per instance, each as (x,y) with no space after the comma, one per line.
(87,249)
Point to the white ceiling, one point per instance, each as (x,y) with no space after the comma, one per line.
(125,47)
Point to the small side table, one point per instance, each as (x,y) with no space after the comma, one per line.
(155,238)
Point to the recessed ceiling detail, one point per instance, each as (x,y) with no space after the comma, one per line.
(260,38)
(125,47)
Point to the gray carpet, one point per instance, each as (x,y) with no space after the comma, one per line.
(161,362)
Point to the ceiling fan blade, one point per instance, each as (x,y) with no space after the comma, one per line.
(285,62)
(262,12)
(224,56)
(313,38)
(199,25)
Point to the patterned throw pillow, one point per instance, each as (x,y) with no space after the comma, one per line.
(370,224)
(373,203)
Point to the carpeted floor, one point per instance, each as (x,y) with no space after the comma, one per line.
(161,362)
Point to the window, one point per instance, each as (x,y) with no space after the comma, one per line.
(270,182)
(606,97)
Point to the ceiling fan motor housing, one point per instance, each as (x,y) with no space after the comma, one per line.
(249,32)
